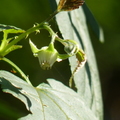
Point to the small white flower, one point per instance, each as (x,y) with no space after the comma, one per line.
(47,57)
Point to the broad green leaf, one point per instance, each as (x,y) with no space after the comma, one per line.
(72,25)
(53,101)
(93,23)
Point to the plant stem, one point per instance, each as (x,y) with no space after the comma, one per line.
(23,35)
(17,68)
(48,28)
(51,16)
(51,32)
(33,29)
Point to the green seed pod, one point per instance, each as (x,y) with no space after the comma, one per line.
(70,46)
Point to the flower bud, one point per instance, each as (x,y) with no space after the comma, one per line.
(71,47)
(47,57)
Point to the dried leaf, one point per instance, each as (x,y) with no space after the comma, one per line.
(68,5)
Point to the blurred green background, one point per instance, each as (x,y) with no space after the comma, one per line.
(24,13)
(108,54)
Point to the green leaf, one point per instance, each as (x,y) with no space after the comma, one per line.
(93,23)
(53,101)
(12,48)
(72,25)
(4,50)
(10,29)
(33,47)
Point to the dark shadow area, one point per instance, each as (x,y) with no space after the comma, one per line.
(88,72)
(91,20)
(6,85)
(76,31)
(112,100)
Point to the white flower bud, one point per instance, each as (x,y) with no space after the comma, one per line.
(47,57)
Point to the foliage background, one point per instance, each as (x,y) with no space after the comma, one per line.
(24,13)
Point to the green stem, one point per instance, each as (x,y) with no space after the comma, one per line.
(33,29)
(4,42)
(51,32)
(60,40)
(17,68)
(51,16)
(48,28)
(71,79)
(23,35)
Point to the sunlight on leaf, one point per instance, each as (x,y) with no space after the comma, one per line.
(72,25)
(53,101)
